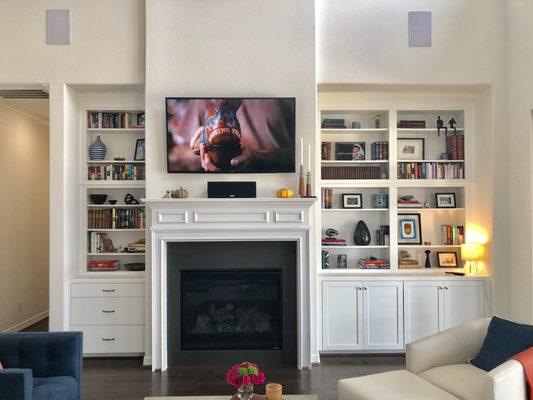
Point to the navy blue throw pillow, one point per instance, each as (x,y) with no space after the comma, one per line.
(504,339)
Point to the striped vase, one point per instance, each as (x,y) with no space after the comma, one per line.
(97,150)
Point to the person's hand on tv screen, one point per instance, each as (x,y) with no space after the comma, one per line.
(242,160)
(207,162)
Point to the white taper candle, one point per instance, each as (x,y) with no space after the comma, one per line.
(302,151)
(309,159)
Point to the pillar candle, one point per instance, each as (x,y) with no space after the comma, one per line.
(273,391)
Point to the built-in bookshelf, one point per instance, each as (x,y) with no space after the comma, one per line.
(395,154)
(112,232)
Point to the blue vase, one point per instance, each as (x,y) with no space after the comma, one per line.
(97,150)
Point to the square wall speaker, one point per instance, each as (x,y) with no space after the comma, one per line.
(420,29)
(58,27)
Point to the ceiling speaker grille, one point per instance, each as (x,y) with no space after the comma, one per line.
(23,94)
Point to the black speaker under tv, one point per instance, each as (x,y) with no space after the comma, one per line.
(230,135)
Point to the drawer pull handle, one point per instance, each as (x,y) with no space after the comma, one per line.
(108,290)
(445,287)
(108,339)
(440,287)
(108,311)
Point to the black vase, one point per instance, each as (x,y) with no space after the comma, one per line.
(361,235)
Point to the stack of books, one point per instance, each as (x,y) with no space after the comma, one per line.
(373,263)
(327,198)
(333,242)
(333,123)
(379,151)
(452,234)
(137,247)
(455,147)
(103,265)
(413,203)
(430,170)
(351,172)
(411,124)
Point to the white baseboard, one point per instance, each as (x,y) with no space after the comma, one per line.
(147,361)
(315,358)
(29,322)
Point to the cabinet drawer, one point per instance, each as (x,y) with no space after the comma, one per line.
(107,311)
(107,290)
(111,339)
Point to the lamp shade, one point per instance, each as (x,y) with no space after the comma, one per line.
(472,252)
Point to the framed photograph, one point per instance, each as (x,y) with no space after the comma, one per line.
(140,119)
(342,261)
(447,259)
(409,229)
(352,200)
(410,149)
(445,200)
(139,150)
(350,151)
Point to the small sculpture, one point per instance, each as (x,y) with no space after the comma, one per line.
(443,156)
(168,194)
(332,233)
(452,124)
(356,125)
(377,121)
(119,159)
(426,204)
(440,125)
(342,261)
(361,235)
(130,200)
(325,259)
(97,150)
(180,193)
(428,263)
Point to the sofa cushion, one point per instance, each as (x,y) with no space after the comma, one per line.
(394,385)
(504,339)
(462,380)
(55,388)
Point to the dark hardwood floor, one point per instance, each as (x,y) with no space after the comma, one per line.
(127,379)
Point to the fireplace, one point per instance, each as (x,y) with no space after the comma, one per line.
(232,301)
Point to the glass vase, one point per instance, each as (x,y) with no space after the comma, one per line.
(245,392)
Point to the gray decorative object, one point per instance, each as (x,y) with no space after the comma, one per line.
(381,201)
(325,259)
(428,263)
(361,235)
(97,150)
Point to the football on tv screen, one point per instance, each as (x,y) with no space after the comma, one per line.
(230,135)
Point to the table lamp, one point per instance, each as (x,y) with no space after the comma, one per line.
(471,253)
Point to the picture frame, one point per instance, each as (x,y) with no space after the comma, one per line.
(447,259)
(352,200)
(350,151)
(342,261)
(140,154)
(140,119)
(445,200)
(409,229)
(411,149)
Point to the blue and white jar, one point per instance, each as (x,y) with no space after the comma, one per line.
(97,150)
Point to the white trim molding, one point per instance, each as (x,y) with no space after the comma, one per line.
(28,322)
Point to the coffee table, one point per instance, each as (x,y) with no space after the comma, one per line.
(285,397)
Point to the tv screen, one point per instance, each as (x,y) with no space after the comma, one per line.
(217,135)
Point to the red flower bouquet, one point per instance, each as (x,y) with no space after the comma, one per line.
(245,373)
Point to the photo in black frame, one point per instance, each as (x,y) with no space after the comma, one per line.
(140,153)
(445,200)
(350,151)
(409,229)
(447,259)
(410,149)
(352,200)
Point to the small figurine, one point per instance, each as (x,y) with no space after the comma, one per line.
(452,124)
(443,156)
(332,233)
(428,263)
(325,259)
(426,204)
(440,125)
(130,200)
(119,159)
(167,195)
(356,125)
(377,121)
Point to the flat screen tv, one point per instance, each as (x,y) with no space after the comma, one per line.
(230,135)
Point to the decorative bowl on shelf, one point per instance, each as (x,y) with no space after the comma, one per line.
(113,202)
(135,266)
(98,198)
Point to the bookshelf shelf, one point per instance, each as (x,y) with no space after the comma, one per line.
(350,130)
(405,210)
(425,130)
(116,230)
(431,161)
(111,183)
(115,206)
(344,162)
(356,247)
(116,254)
(116,130)
(355,209)
(115,162)
(431,246)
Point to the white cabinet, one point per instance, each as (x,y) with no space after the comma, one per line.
(343,318)
(360,315)
(432,306)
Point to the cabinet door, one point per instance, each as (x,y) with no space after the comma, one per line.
(463,302)
(342,315)
(383,315)
(422,309)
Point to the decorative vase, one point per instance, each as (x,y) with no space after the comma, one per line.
(245,392)
(97,150)
(361,235)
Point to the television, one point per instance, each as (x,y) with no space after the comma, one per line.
(230,135)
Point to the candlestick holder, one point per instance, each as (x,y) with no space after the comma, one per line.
(308,187)
(301,184)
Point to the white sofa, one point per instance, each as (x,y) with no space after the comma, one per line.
(437,369)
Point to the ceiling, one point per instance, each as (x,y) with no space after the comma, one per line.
(36,108)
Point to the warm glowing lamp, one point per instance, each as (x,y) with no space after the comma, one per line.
(470,253)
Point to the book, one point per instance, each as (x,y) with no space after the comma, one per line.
(415,124)
(351,172)
(452,234)
(455,147)
(379,151)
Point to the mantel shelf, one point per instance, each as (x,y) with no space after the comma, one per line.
(296,201)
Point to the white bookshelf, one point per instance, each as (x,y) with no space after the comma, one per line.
(121,143)
(344,220)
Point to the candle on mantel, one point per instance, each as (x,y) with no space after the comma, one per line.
(273,391)
(302,151)
(309,159)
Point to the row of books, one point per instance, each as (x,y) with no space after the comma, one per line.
(333,123)
(116,172)
(430,170)
(452,234)
(411,124)
(99,242)
(117,218)
(455,147)
(373,263)
(327,198)
(351,172)
(103,265)
(114,120)
(379,151)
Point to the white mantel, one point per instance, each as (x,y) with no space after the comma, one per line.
(204,220)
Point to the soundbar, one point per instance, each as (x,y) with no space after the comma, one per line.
(232,189)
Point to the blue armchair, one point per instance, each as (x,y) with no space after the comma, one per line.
(41,366)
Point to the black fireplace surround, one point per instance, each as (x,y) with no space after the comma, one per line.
(230,302)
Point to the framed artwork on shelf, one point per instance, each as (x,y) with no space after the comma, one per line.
(409,229)
(140,119)
(411,149)
(352,200)
(447,259)
(350,151)
(139,150)
(445,200)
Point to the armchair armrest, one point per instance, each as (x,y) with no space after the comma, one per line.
(505,382)
(16,384)
(452,346)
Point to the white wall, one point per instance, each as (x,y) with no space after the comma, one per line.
(24,215)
